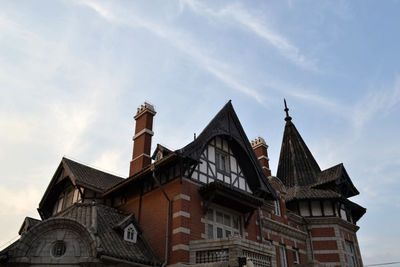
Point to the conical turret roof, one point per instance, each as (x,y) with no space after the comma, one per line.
(297,166)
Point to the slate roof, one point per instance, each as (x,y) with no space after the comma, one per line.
(28,223)
(94,179)
(307,192)
(226,123)
(111,240)
(297,166)
(329,175)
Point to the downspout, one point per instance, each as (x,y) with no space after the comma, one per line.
(169,214)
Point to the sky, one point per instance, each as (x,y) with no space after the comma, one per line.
(73,73)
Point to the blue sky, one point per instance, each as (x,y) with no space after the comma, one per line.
(72,74)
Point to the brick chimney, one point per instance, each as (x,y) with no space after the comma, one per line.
(260,148)
(141,157)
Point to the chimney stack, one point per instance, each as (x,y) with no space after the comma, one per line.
(142,139)
(260,148)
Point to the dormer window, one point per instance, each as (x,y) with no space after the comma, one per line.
(130,233)
(159,156)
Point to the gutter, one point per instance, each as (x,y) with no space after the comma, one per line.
(169,215)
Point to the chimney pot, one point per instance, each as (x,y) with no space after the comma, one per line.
(260,148)
(142,139)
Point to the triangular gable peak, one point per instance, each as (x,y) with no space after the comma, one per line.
(337,179)
(72,182)
(61,180)
(225,141)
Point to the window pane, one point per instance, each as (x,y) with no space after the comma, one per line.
(219,217)
(227,220)
(219,232)
(228,233)
(210,231)
(236,222)
(210,215)
(282,251)
(296,256)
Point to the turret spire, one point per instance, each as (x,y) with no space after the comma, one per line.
(288,118)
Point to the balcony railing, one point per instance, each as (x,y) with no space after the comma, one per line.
(225,252)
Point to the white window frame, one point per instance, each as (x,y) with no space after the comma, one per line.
(351,254)
(283,257)
(296,258)
(277,206)
(212,225)
(130,233)
(222,161)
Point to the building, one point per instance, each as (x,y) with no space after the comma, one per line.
(211,203)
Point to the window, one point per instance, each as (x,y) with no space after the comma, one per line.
(351,254)
(58,249)
(296,259)
(222,161)
(277,207)
(282,252)
(130,233)
(222,224)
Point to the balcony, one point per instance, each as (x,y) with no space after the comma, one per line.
(225,252)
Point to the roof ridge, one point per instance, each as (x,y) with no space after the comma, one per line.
(86,165)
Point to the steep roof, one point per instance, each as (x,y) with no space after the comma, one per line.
(297,166)
(77,174)
(336,177)
(86,176)
(226,123)
(106,221)
(307,192)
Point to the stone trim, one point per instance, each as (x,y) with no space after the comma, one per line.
(145,130)
(263,157)
(281,228)
(321,251)
(182,196)
(181,230)
(180,247)
(141,155)
(331,221)
(181,213)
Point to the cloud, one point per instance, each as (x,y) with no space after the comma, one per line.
(238,13)
(375,103)
(220,70)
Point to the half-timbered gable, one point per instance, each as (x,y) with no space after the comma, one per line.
(218,163)
(223,153)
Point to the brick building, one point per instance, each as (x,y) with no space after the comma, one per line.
(211,203)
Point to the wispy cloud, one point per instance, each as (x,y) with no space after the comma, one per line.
(219,69)
(250,22)
(378,101)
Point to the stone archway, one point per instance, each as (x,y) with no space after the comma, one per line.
(56,241)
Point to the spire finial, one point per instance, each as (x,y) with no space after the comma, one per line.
(288,118)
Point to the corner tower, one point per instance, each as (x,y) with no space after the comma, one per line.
(322,199)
